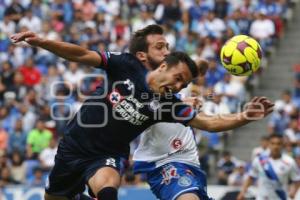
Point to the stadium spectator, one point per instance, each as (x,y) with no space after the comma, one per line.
(292,133)
(279,119)
(143,20)
(215,73)
(7,26)
(263,29)
(3,140)
(6,177)
(32,76)
(17,139)
(38,179)
(31,22)
(38,139)
(286,100)
(15,11)
(238,176)
(211,26)
(226,165)
(232,92)
(47,155)
(18,167)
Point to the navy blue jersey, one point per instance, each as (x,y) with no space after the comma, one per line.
(121,110)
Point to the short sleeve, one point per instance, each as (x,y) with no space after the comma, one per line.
(254,170)
(177,111)
(295,172)
(118,64)
(105,57)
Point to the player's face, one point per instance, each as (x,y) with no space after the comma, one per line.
(275,146)
(172,79)
(158,49)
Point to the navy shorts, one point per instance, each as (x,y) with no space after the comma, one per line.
(71,171)
(170,181)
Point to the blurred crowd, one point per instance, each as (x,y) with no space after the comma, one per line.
(40,92)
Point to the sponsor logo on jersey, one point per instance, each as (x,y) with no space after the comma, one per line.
(129,84)
(177,143)
(129,109)
(184,181)
(169,172)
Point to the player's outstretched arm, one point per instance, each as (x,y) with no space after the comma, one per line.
(257,108)
(65,50)
(246,185)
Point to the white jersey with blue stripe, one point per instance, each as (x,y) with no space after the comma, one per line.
(285,168)
(164,143)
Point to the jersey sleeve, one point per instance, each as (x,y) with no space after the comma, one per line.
(295,172)
(118,64)
(254,170)
(111,62)
(105,57)
(177,111)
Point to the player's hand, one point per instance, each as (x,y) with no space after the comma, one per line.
(240,196)
(28,36)
(195,102)
(258,108)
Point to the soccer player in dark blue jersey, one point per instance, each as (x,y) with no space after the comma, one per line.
(98,137)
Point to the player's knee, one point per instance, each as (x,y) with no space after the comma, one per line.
(108,193)
(189,196)
(104,177)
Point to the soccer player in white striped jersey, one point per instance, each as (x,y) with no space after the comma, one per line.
(273,173)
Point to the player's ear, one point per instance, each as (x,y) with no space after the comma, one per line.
(162,67)
(141,56)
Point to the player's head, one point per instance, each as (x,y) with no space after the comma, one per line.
(177,70)
(149,46)
(275,144)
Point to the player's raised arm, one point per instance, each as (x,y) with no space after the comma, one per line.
(257,108)
(65,50)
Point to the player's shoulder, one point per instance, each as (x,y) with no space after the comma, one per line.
(287,158)
(126,59)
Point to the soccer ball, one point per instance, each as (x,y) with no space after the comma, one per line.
(241,55)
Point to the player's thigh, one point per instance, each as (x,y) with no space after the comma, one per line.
(51,197)
(104,177)
(188,196)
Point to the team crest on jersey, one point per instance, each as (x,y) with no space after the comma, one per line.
(169,172)
(154,105)
(115,97)
(184,181)
(129,84)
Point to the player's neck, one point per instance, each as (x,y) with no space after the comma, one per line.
(147,66)
(276,156)
(150,80)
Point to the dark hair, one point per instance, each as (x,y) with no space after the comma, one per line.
(274,135)
(226,153)
(138,41)
(175,57)
(265,137)
(287,92)
(202,66)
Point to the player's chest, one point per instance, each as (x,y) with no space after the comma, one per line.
(281,168)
